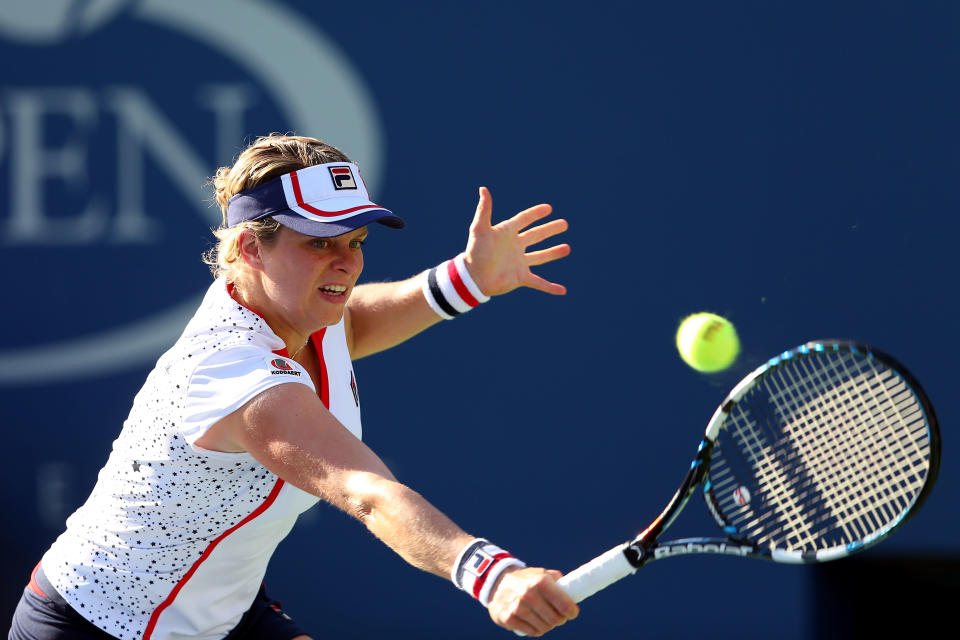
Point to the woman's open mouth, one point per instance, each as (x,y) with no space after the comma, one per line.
(335,290)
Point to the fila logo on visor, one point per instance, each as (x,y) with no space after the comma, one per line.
(342,178)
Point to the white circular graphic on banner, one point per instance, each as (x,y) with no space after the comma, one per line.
(292,61)
(51,21)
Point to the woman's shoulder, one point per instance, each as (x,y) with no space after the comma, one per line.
(221,322)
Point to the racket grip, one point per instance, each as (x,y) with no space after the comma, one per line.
(596,575)
(599,573)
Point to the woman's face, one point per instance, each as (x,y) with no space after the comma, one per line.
(308,280)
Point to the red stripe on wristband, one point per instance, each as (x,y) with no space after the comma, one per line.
(478,584)
(459,285)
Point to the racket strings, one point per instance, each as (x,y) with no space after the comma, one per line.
(851,467)
(831,449)
(886,484)
(840,455)
(851,512)
(875,453)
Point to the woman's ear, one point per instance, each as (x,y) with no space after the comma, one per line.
(250,250)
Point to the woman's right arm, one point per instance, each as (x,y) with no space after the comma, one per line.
(289,431)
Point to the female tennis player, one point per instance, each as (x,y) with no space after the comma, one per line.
(254,415)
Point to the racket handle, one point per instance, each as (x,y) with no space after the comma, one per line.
(598,574)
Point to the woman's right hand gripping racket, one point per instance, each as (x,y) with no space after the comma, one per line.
(823,451)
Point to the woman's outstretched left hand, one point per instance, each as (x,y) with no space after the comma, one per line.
(497,256)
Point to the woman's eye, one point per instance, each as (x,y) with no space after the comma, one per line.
(321,243)
(357,244)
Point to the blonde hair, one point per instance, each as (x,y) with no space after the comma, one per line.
(268,157)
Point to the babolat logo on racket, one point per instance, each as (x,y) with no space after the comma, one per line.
(282,367)
(696,547)
(342,178)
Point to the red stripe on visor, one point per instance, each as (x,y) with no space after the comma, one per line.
(298,194)
(322,200)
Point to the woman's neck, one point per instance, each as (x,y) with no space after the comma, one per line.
(256,300)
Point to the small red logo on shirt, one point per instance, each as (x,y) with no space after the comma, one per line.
(282,367)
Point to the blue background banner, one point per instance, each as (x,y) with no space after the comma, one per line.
(787,166)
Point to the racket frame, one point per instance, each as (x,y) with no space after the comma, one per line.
(630,556)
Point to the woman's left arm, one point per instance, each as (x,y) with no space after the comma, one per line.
(384,314)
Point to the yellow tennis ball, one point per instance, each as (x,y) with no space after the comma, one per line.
(707,342)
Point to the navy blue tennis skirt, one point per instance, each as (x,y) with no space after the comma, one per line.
(43,614)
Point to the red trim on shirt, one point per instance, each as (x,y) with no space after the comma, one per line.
(32,585)
(206,554)
(324,390)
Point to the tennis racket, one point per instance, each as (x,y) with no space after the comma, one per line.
(821,452)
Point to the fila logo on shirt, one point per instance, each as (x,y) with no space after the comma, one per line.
(342,178)
(282,367)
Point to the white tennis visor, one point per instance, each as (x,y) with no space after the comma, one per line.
(323,201)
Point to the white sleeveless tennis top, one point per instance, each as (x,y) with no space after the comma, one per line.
(174,540)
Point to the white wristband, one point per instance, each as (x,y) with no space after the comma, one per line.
(478,566)
(491,578)
(449,289)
